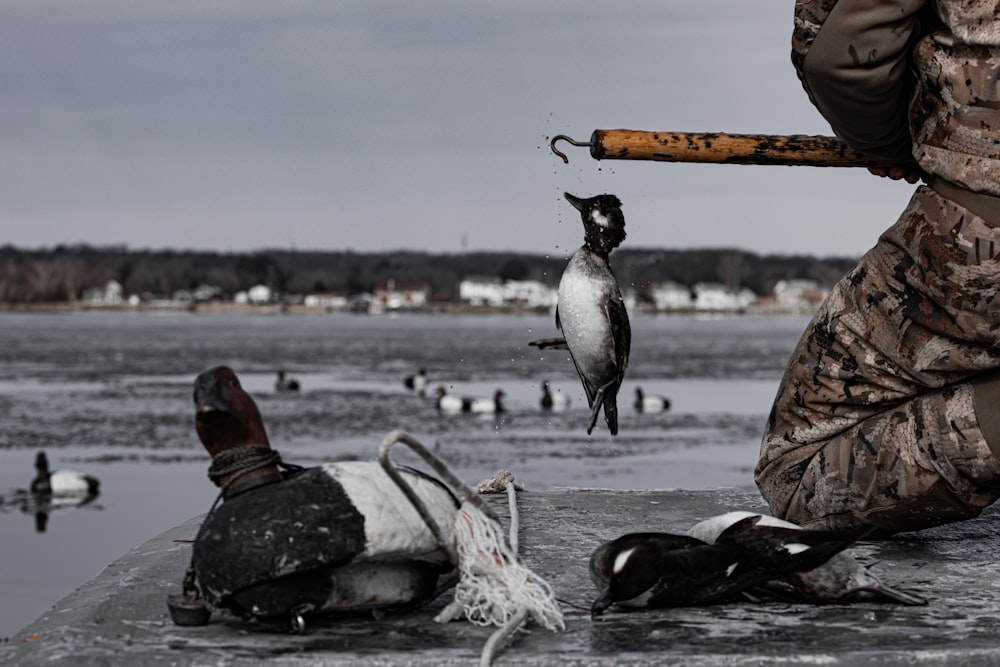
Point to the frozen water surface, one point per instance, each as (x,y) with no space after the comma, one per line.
(110,394)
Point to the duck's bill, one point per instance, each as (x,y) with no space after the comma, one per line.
(601,603)
(575,201)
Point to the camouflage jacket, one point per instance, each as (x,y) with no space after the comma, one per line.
(908,79)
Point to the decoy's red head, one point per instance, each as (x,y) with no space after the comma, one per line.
(225,415)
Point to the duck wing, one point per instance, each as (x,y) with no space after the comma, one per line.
(789,549)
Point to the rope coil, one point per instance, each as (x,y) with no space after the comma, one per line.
(494,588)
(240,460)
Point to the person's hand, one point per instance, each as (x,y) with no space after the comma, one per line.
(909,172)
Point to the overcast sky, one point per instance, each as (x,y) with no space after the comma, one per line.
(395,124)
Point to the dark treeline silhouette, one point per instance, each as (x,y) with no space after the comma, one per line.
(64,272)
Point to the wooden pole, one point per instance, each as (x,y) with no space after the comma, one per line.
(719,148)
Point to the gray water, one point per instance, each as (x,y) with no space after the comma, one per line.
(110,394)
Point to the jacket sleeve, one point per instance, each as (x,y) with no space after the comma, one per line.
(852,57)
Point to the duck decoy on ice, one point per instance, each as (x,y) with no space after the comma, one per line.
(285,384)
(417,382)
(67,483)
(451,404)
(646,403)
(590,311)
(668,570)
(556,401)
(838,580)
(283,543)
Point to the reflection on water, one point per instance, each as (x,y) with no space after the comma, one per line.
(41,506)
(111,393)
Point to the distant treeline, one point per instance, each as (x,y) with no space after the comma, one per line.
(64,272)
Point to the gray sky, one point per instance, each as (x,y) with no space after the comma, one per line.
(389,124)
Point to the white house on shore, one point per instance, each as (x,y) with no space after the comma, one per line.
(716,297)
(670,295)
(798,294)
(326,300)
(490,291)
(110,294)
(257,295)
(392,295)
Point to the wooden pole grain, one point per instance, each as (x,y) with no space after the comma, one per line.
(718,148)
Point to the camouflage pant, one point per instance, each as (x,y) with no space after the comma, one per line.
(874,418)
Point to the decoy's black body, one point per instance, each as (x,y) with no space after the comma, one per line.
(668,570)
(591,313)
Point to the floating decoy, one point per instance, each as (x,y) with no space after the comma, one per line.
(61,482)
(556,401)
(455,404)
(417,382)
(590,311)
(647,403)
(285,384)
(839,579)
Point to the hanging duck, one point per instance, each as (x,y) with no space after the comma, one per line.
(590,311)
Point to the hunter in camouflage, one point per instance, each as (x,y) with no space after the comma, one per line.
(889,410)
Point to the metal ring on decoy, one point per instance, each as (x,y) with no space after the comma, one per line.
(552,145)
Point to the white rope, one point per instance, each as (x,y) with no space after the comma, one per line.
(502,634)
(515,523)
(494,588)
(516,598)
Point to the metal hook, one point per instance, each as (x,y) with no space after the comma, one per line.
(552,145)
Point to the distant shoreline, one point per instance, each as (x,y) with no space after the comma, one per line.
(298,309)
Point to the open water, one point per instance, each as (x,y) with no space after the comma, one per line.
(110,394)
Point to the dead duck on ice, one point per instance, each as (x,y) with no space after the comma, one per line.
(840,579)
(642,570)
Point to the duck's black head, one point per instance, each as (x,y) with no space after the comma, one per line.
(603,221)
(630,567)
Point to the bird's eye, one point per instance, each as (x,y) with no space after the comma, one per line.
(234,384)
